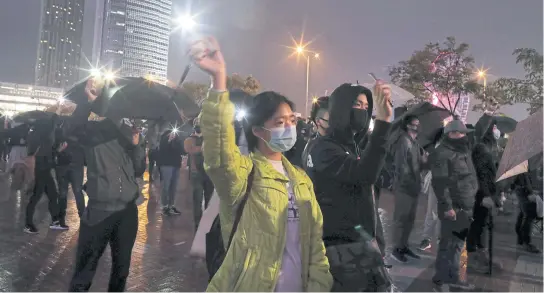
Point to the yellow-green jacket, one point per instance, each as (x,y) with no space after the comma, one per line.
(254,259)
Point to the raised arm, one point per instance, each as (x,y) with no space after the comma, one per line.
(328,158)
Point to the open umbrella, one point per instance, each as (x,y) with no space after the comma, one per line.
(523,144)
(138,98)
(32,116)
(431,121)
(505,124)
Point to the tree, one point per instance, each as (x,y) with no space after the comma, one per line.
(197,91)
(248,84)
(445,70)
(529,89)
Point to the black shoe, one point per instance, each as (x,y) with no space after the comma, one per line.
(425,244)
(410,253)
(462,285)
(60,226)
(399,255)
(440,287)
(30,229)
(531,248)
(166,211)
(55,225)
(174,211)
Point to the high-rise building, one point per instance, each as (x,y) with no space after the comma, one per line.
(136,36)
(59,49)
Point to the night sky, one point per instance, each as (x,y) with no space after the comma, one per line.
(354,37)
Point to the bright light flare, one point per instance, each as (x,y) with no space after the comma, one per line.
(316,56)
(241,114)
(481,74)
(315,100)
(186,22)
(109,76)
(300,49)
(95,72)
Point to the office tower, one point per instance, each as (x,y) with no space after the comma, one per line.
(59,49)
(136,36)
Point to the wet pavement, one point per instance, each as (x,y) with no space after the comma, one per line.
(160,260)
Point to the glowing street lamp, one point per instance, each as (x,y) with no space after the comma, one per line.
(109,76)
(301,50)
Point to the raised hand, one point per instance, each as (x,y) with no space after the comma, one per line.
(206,54)
(91,90)
(382,101)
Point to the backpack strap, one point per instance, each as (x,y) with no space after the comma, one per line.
(240,209)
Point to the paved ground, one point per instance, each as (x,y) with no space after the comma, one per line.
(160,260)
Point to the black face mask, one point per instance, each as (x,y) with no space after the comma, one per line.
(359,119)
(413,128)
(197,129)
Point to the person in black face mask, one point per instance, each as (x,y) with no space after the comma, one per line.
(455,185)
(343,176)
(406,187)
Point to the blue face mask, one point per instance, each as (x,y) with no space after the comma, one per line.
(282,139)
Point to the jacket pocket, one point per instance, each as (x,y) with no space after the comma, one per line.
(243,270)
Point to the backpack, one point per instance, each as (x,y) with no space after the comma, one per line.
(215,249)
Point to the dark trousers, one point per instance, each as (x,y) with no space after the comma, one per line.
(202,191)
(449,252)
(152,158)
(44,181)
(527,215)
(404,217)
(119,230)
(70,175)
(478,233)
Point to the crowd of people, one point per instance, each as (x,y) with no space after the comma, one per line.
(298,206)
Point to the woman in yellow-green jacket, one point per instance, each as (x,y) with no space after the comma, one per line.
(278,244)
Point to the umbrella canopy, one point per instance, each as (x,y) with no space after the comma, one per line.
(138,98)
(524,143)
(505,124)
(32,116)
(431,121)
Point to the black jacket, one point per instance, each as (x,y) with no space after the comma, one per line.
(113,162)
(485,155)
(41,143)
(73,155)
(170,152)
(407,160)
(343,175)
(453,176)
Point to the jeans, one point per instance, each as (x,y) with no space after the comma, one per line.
(119,230)
(202,191)
(72,175)
(527,215)
(432,224)
(44,182)
(169,184)
(449,252)
(404,217)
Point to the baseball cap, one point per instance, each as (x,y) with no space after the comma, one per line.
(456,126)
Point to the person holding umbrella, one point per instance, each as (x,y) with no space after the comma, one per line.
(113,153)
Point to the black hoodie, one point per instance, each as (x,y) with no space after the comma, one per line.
(486,159)
(343,175)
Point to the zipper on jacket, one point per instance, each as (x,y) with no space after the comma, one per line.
(284,235)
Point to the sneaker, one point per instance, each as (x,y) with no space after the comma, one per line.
(425,244)
(60,226)
(531,248)
(55,225)
(398,254)
(410,253)
(30,229)
(462,286)
(440,287)
(174,211)
(166,211)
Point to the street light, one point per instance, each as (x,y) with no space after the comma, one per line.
(301,50)
(482,74)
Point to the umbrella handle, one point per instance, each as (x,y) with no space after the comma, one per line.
(185,73)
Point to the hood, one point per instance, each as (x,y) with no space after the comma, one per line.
(483,130)
(340,104)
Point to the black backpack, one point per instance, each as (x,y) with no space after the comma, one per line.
(215,249)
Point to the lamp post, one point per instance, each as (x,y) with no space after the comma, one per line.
(301,50)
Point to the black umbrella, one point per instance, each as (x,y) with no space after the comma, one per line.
(32,116)
(138,98)
(505,124)
(431,121)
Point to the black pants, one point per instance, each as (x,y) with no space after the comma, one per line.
(404,217)
(479,228)
(452,241)
(152,157)
(527,215)
(44,182)
(70,175)
(119,230)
